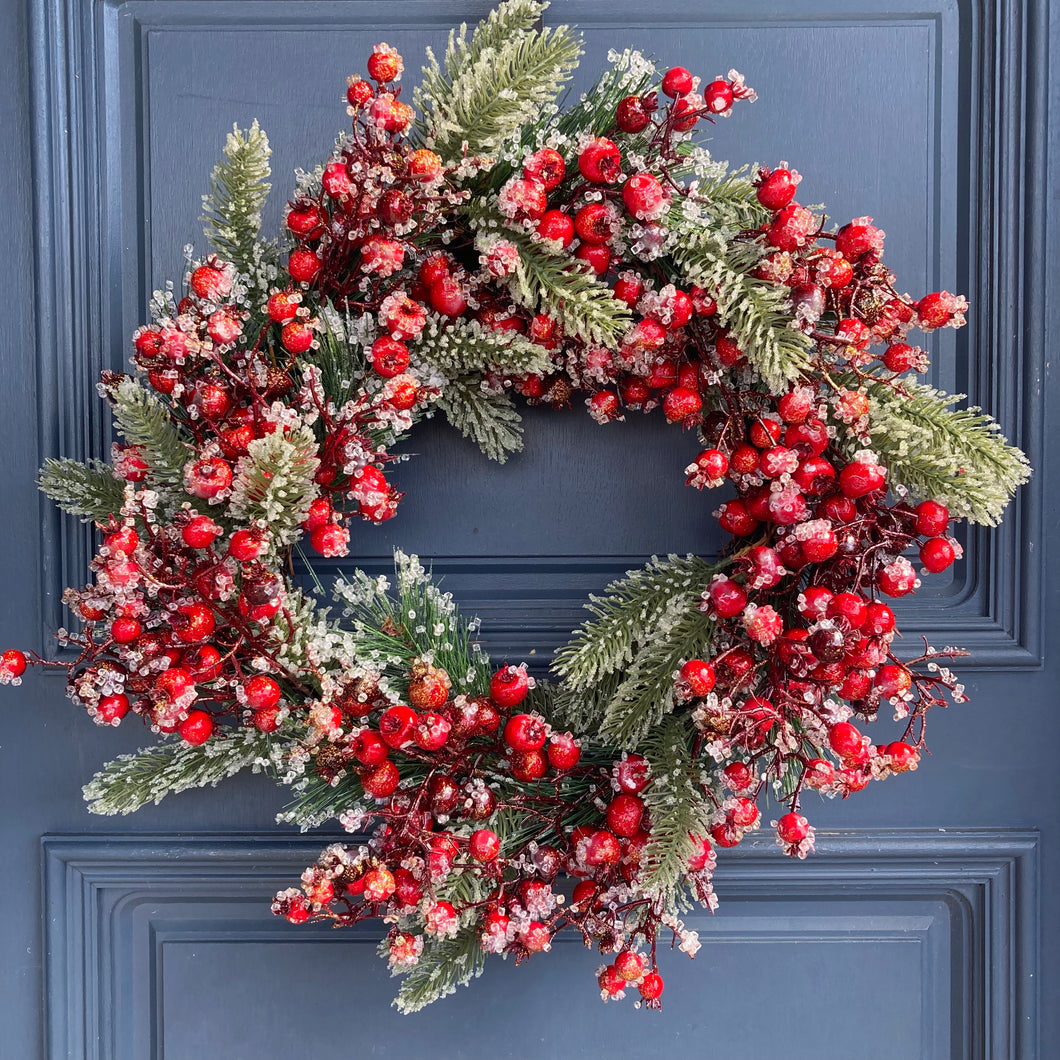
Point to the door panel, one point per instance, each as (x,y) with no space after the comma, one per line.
(888,944)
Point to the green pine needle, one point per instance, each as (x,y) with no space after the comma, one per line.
(145,422)
(239,188)
(132,781)
(87,490)
(444,965)
(462,346)
(958,457)
(495,83)
(486,417)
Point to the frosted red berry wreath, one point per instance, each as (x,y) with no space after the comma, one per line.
(488,248)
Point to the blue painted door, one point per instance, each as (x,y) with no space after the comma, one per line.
(923,928)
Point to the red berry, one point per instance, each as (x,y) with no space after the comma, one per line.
(845,740)
(384,64)
(563,751)
(793,828)
(432,731)
(603,848)
(744,813)
(903,756)
(900,357)
(330,540)
(879,619)
(728,597)
(611,983)
(510,686)
(125,630)
(777,189)
(484,845)
(305,223)
(849,606)
(632,115)
(651,986)
(624,815)
(738,776)
(246,545)
(859,479)
(699,676)
(892,680)
(370,749)
(937,554)
(525,732)
(645,197)
(296,337)
(677,81)
(718,96)
(528,766)
(358,92)
(208,477)
(210,283)
(447,297)
(195,624)
(390,357)
(196,728)
(682,405)
(854,240)
(932,518)
(335,180)
(111,709)
(546,167)
(261,692)
(303,266)
(396,725)
(557,226)
(12,665)
(600,161)
(382,781)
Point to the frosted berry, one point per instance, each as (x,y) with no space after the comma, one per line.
(937,554)
(563,751)
(12,665)
(932,518)
(382,781)
(546,167)
(776,189)
(396,725)
(447,297)
(624,814)
(261,692)
(525,732)
(303,266)
(682,405)
(384,64)
(600,161)
(557,226)
(845,740)
(390,357)
(509,686)
(645,198)
(208,477)
(793,828)
(651,986)
(246,545)
(210,283)
(699,676)
(379,884)
(858,479)
(296,336)
(196,728)
(111,709)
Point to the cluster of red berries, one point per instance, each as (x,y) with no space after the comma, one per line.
(439,768)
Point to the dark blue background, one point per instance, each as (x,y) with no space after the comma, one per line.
(930,943)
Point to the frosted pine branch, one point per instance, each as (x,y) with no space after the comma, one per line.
(87,490)
(486,417)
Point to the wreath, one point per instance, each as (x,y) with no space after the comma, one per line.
(493,246)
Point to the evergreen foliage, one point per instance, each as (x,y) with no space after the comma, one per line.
(87,490)
(956,456)
(487,417)
(239,188)
(680,811)
(275,482)
(466,346)
(134,780)
(496,82)
(144,421)
(444,965)
(755,314)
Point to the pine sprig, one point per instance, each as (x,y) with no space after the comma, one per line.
(239,188)
(956,456)
(646,692)
(496,82)
(462,346)
(679,810)
(88,490)
(487,417)
(756,315)
(276,482)
(145,422)
(546,282)
(444,965)
(626,616)
(134,780)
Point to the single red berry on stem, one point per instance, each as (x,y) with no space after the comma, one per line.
(509,686)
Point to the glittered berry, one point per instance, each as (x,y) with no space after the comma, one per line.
(208,477)
(194,622)
(196,728)
(624,814)
(793,828)
(595,224)
(845,740)
(379,884)
(509,686)
(903,756)
(682,405)
(210,283)
(600,161)
(699,676)
(384,64)
(447,297)
(528,766)
(651,986)
(261,692)
(358,92)
(632,115)
(382,781)
(303,266)
(125,629)
(12,665)
(246,545)
(296,336)
(484,845)
(563,751)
